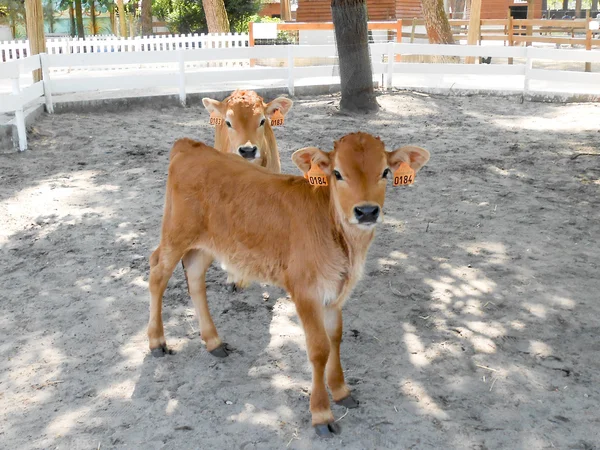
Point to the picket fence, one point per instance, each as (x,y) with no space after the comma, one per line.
(383,58)
(11,50)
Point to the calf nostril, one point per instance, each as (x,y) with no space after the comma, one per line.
(366,213)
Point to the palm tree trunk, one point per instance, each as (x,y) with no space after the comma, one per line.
(122,18)
(216,16)
(351,37)
(146,17)
(79,19)
(93,15)
(71,20)
(286,10)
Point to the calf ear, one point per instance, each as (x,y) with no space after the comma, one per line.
(280,103)
(415,157)
(214,106)
(307,156)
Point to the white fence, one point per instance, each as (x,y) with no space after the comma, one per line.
(11,50)
(182,75)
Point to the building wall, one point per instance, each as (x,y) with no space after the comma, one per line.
(320,10)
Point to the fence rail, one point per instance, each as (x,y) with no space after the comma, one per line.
(386,62)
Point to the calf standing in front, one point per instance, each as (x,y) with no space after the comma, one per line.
(312,241)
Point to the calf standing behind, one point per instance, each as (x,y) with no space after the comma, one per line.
(245,126)
(312,241)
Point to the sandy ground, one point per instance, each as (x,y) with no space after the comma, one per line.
(476,325)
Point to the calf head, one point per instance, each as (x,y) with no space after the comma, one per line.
(246,121)
(357,170)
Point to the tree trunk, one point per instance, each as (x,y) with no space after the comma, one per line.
(577,9)
(146,17)
(34,17)
(111,12)
(594,5)
(216,16)
(93,16)
(79,19)
(351,37)
(436,22)
(71,20)
(565,5)
(286,10)
(122,19)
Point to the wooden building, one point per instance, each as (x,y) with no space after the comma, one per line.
(320,10)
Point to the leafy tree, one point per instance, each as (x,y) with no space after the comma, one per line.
(187,16)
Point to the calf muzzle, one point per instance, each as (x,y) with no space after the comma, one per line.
(366,213)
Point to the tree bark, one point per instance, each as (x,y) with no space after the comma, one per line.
(577,9)
(351,37)
(565,5)
(34,19)
(594,5)
(436,22)
(93,16)
(71,19)
(286,10)
(216,16)
(146,17)
(122,18)
(79,19)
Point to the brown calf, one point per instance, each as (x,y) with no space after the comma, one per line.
(313,241)
(246,126)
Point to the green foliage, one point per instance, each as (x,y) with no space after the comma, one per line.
(187,16)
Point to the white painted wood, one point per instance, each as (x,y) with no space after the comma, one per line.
(46,81)
(460,69)
(317,71)
(279,73)
(290,69)
(460,50)
(19,117)
(390,66)
(563,54)
(565,76)
(181,77)
(87,83)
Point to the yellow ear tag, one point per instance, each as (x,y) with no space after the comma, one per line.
(316,176)
(215,119)
(404,175)
(277,119)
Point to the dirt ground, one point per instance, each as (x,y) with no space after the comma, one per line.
(476,325)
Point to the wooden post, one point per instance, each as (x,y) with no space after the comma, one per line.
(412,31)
(251,40)
(588,38)
(398,58)
(530,15)
(35,31)
(510,34)
(474,27)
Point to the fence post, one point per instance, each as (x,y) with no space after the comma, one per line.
(588,38)
(291,69)
(251,40)
(47,82)
(510,34)
(528,67)
(181,77)
(390,67)
(19,117)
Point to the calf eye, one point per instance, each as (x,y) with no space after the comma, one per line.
(338,176)
(228,123)
(386,172)
(262,122)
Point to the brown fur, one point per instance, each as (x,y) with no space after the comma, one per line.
(308,242)
(244,110)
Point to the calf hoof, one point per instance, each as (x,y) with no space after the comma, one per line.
(161,351)
(348,402)
(220,352)
(232,287)
(327,430)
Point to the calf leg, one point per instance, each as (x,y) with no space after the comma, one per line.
(196,263)
(335,375)
(162,264)
(318,348)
